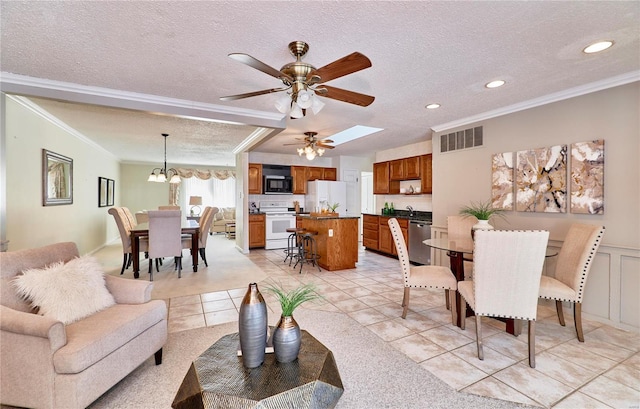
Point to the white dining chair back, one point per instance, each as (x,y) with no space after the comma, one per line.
(420,276)
(572,270)
(168,207)
(165,230)
(507,270)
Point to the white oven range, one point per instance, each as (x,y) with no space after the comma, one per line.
(278,219)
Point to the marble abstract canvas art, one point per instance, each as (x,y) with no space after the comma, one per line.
(587,177)
(502,180)
(541,180)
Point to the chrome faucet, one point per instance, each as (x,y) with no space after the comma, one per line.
(410,209)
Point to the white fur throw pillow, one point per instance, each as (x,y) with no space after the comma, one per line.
(66,292)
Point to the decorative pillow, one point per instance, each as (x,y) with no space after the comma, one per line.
(218,216)
(229,213)
(66,292)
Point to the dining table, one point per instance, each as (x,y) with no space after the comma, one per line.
(460,251)
(142,230)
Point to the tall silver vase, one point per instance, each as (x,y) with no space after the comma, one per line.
(252,326)
(286,339)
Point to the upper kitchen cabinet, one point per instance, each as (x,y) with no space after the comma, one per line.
(255,178)
(330,174)
(388,175)
(302,174)
(314,173)
(426,175)
(299,176)
(382,184)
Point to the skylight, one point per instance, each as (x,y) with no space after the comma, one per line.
(355,132)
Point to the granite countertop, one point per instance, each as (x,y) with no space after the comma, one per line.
(404,214)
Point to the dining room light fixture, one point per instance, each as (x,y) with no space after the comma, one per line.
(164,174)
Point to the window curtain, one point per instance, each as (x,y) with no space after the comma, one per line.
(217,188)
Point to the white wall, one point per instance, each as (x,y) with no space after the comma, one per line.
(613,289)
(28,223)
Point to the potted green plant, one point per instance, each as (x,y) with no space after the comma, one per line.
(286,335)
(332,208)
(483,211)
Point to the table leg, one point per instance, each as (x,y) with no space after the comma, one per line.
(457,267)
(195,240)
(135,254)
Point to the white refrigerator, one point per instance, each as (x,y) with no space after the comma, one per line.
(324,193)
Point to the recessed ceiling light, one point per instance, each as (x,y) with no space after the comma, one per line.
(495,84)
(433,106)
(597,47)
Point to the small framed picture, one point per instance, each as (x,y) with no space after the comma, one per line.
(106,191)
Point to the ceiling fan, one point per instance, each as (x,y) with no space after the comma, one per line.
(313,145)
(303,82)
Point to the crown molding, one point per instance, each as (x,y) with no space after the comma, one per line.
(44,88)
(622,79)
(36,109)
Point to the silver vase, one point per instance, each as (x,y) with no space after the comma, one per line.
(252,326)
(286,339)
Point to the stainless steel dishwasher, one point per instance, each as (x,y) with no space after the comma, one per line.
(419,230)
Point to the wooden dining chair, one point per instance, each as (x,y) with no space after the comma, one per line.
(420,276)
(572,270)
(507,270)
(165,238)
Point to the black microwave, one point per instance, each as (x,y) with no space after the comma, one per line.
(280,185)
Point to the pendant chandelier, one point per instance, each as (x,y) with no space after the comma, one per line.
(164,173)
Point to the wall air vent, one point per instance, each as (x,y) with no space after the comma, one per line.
(469,138)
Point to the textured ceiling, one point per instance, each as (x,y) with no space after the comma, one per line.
(421,52)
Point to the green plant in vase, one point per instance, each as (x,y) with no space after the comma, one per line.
(483,211)
(286,335)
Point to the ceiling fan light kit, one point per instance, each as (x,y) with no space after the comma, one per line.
(302,81)
(164,173)
(313,146)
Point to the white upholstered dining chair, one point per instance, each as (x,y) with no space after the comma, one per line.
(507,270)
(420,276)
(572,269)
(124,228)
(165,238)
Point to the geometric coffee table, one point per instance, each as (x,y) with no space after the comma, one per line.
(218,379)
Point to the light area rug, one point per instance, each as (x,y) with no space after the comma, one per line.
(228,269)
(374,374)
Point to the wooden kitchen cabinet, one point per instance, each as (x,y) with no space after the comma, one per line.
(385,239)
(257,228)
(381,181)
(412,169)
(299,176)
(330,174)
(314,173)
(255,178)
(396,169)
(370,231)
(426,174)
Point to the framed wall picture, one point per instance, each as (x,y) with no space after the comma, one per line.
(111,191)
(57,179)
(106,191)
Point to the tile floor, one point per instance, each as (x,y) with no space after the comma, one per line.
(603,372)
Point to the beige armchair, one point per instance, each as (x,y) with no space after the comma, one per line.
(46,364)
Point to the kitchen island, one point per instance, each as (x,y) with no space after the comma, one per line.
(336,241)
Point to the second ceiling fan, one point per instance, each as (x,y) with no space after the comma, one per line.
(312,145)
(303,82)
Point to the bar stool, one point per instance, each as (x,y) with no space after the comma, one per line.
(292,249)
(308,252)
